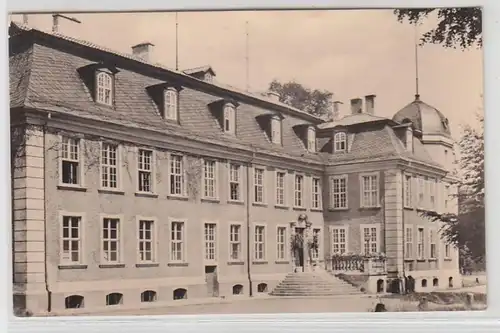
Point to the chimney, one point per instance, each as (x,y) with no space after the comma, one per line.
(336,110)
(274,96)
(143,50)
(25,19)
(356,105)
(55,22)
(409,138)
(370,104)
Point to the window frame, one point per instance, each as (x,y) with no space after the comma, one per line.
(184,253)
(81,161)
(316,203)
(433,251)
(264,242)
(118,166)
(229,117)
(210,261)
(262,186)
(319,253)
(333,194)
(215,179)
(171,92)
(421,236)
(300,191)
(182,174)
(81,239)
(344,228)
(285,244)
(284,203)
(120,245)
(338,139)
(409,255)
(371,226)
(111,88)
(276,130)
(311,139)
(239,242)
(152,170)
(231,181)
(408,190)
(362,202)
(154,239)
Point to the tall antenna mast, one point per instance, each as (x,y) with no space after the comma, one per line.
(176,42)
(247,78)
(417,95)
(55,20)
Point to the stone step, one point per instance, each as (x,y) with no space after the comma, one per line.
(318,294)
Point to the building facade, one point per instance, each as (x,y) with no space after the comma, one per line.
(133,183)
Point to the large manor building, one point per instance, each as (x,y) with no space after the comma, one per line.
(135,183)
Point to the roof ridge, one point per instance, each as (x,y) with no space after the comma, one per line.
(89,44)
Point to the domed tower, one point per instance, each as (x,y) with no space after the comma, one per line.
(433,128)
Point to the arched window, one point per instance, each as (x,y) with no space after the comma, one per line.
(340,142)
(104,88)
(424,283)
(148,296)
(170,104)
(435,282)
(180,293)
(311,139)
(237,289)
(229,119)
(74,302)
(380,286)
(262,288)
(450,282)
(276,130)
(114,299)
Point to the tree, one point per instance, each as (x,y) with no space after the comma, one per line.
(459,26)
(316,102)
(467,229)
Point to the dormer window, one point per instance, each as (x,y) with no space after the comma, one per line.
(276,130)
(340,142)
(229,119)
(104,88)
(311,139)
(170,104)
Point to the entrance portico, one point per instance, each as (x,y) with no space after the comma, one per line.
(302,243)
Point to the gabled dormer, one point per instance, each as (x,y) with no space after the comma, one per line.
(224,110)
(205,73)
(166,97)
(99,78)
(339,141)
(307,133)
(271,124)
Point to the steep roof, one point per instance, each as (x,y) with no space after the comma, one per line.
(200,69)
(353,119)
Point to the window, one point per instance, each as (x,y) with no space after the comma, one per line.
(317,238)
(299,188)
(210,179)
(408,189)
(237,289)
(180,293)
(109,166)
(409,243)
(432,244)
(259,244)
(71,241)
(446,196)
(146,241)
(210,241)
(70,159)
(447,250)
(114,299)
(235,241)
(104,88)
(148,296)
(280,188)
(339,192)
(177,241)
(145,170)
(311,139)
(432,193)
(421,191)
(370,239)
(420,244)
(281,243)
(229,119)
(111,240)
(369,191)
(316,193)
(74,302)
(276,130)
(339,240)
(170,111)
(258,185)
(340,142)
(234,182)
(176,175)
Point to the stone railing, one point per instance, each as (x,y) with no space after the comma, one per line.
(367,264)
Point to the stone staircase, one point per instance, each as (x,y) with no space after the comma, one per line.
(317,283)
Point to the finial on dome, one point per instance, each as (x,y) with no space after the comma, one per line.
(417,97)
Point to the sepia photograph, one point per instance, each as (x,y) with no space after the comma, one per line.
(247,162)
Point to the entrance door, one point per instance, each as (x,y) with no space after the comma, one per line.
(211,281)
(299,248)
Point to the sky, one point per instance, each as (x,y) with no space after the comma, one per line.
(350,53)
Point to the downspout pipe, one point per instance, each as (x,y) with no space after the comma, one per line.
(249,230)
(45,261)
(403,282)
